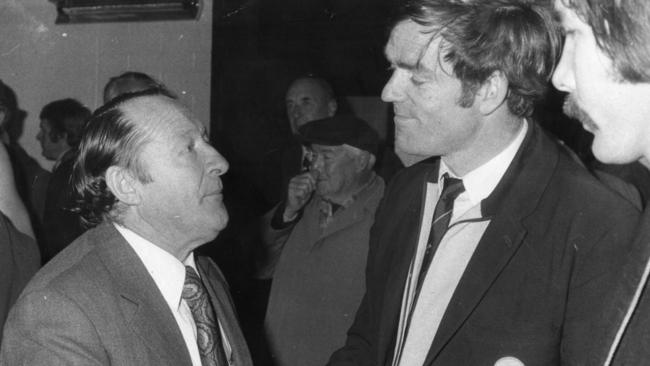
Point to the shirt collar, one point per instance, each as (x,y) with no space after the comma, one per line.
(58,160)
(480,182)
(166,270)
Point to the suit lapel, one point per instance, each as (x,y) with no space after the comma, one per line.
(143,305)
(398,261)
(498,244)
(514,198)
(342,220)
(223,306)
(358,211)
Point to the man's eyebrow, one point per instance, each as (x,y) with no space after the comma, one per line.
(406,66)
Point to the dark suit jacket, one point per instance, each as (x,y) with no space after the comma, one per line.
(96,304)
(537,284)
(60,225)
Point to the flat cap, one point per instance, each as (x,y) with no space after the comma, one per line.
(339,130)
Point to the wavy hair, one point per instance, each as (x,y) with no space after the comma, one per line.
(109,139)
(519,39)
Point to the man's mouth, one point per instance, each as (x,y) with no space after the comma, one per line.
(573,110)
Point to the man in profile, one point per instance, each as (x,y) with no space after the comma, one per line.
(130,291)
(497,252)
(62,122)
(605,68)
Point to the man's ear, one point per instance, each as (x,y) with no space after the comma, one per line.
(123,185)
(332,106)
(365,161)
(492,94)
(59,137)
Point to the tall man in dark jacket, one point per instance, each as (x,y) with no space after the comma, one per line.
(497,252)
(605,68)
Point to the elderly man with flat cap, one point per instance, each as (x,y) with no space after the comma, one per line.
(317,242)
(131,291)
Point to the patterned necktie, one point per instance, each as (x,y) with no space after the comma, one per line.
(208,335)
(452,188)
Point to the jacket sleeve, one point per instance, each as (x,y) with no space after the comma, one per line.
(358,345)
(273,239)
(38,333)
(360,348)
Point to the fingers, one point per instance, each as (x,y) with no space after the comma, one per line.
(301,188)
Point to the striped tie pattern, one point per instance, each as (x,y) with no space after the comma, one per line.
(452,188)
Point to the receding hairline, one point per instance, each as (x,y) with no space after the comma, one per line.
(147,109)
(322,85)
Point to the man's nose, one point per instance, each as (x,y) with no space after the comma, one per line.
(563,75)
(392,91)
(217,164)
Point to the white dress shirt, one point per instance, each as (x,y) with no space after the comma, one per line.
(169,275)
(448,264)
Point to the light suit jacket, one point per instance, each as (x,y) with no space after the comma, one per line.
(96,304)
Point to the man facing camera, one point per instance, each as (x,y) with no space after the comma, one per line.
(317,242)
(130,291)
(498,252)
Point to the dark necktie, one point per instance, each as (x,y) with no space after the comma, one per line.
(208,335)
(452,188)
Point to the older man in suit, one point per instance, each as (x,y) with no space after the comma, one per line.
(497,252)
(130,291)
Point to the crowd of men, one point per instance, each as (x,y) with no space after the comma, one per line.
(498,248)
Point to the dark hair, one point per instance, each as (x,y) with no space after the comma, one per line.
(109,139)
(622,31)
(519,39)
(66,116)
(133,81)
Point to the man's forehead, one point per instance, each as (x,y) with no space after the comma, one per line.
(325,148)
(156,112)
(307,87)
(409,43)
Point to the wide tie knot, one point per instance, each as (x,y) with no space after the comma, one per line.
(195,295)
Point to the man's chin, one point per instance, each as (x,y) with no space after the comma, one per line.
(605,153)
